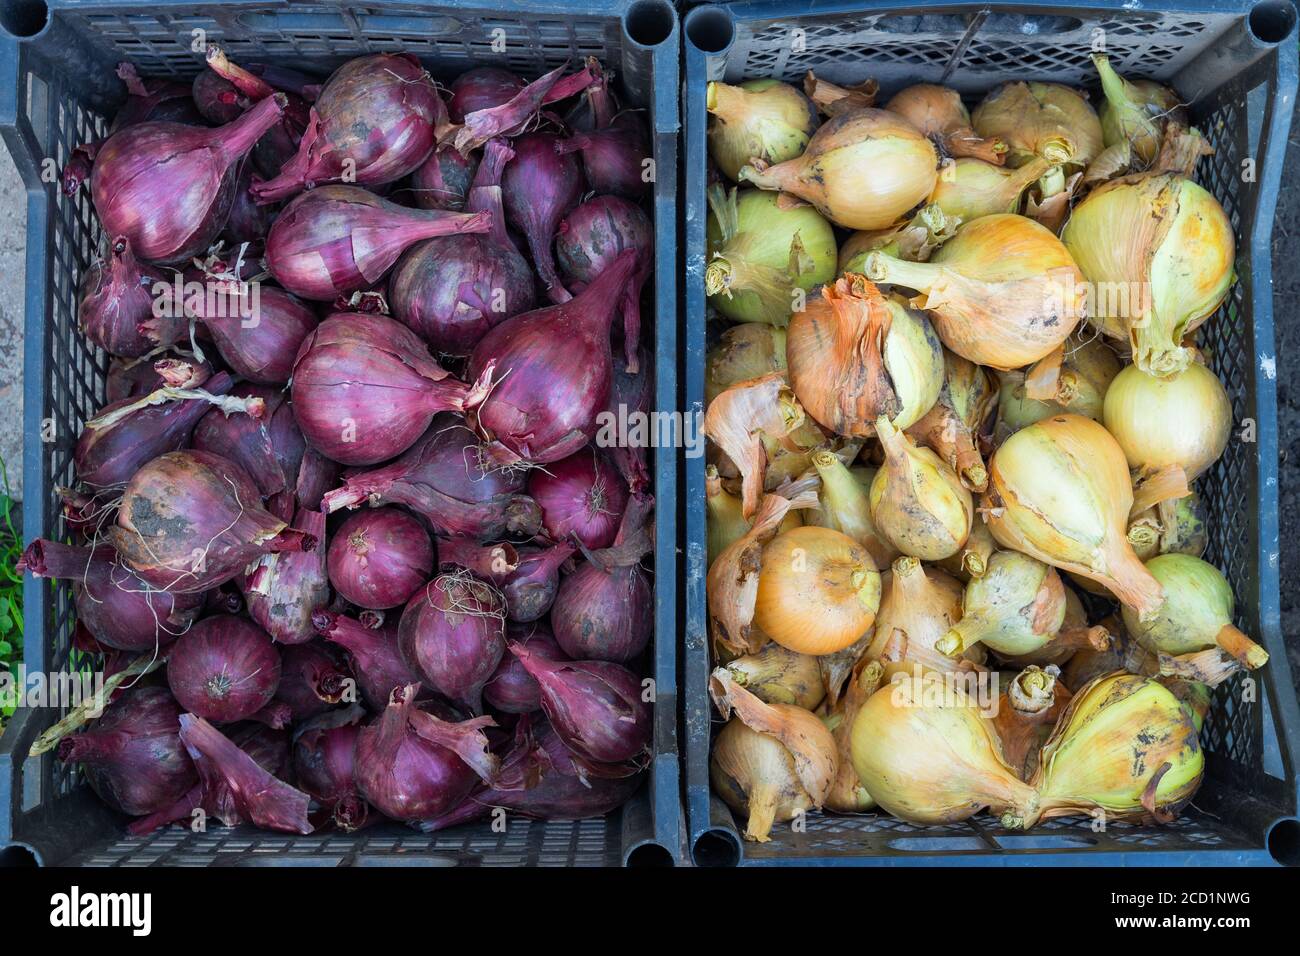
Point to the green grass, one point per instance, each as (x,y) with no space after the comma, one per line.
(11,587)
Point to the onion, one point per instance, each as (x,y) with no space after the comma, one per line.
(521,110)
(452,635)
(1079,383)
(1059,490)
(375,657)
(759,119)
(538,189)
(549,372)
(971,188)
(582,498)
(1170,527)
(743,419)
(1044,120)
(829,173)
(189,521)
(481,88)
(615,159)
(918,605)
(324,766)
(131,378)
(771,761)
(313,678)
(281,141)
(379,557)
(913,239)
(776,675)
(939,113)
(530,589)
(746,351)
(116,305)
(132,756)
(843,504)
(1136,112)
(412,766)
(248,222)
(1015,608)
(917,501)
(445,478)
(282,590)
(818,590)
(1190,411)
(375,121)
(726,519)
(954,425)
(855,354)
(847,794)
(224,669)
(257,333)
(1165,247)
(1003,292)
(270,448)
(349,372)
(442,181)
(511,689)
(1027,711)
(337,240)
(196,169)
(596,707)
(760,253)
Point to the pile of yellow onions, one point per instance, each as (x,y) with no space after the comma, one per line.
(961,387)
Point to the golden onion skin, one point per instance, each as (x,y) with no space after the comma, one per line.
(917,502)
(755,775)
(1046,120)
(1183,419)
(763,118)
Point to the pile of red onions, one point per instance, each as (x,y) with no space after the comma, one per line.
(343,502)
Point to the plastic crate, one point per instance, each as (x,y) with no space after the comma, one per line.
(1236,61)
(57,87)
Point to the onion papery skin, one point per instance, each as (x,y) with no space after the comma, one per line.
(1059,491)
(922,603)
(1166,248)
(481,89)
(258,342)
(379,557)
(376,660)
(917,501)
(452,635)
(324,766)
(196,169)
(442,181)
(224,669)
(745,351)
(604,615)
(313,678)
(1184,419)
(582,497)
(269,448)
(511,689)
(818,590)
(282,590)
(539,187)
(1045,120)
(116,304)
(973,188)
(764,119)
(350,375)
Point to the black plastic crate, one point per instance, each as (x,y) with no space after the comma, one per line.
(1237,63)
(57,88)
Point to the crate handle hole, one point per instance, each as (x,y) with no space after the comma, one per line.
(649,855)
(17,857)
(716,848)
(711,30)
(650,22)
(1272,21)
(1284,842)
(24,18)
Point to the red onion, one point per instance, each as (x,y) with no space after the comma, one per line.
(128,378)
(336,240)
(595,706)
(452,290)
(443,180)
(132,755)
(379,557)
(630,396)
(224,669)
(313,678)
(588,241)
(323,752)
(511,117)
(116,298)
(248,221)
(257,329)
(280,143)
(550,372)
(116,606)
(316,475)
(597,107)
(189,520)
(511,689)
(375,657)
(375,121)
(282,590)
(614,158)
(276,715)
(410,765)
(217,98)
(481,88)
(124,436)
(348,378)
(538,189)
(582,497)
(222,600)
(488,562)
(530,589)
(168,187)
(452,635)
(445,479)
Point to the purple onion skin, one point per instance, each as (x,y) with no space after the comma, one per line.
(452,635)
(480,89)
(271,448)
(324,768)
(130,379)
(282,590)
(133,755)
(196,170)
(530,589)
(376,118)
(153,99)
(224,669)
(551,371)
(376,660)
(442,181)
(511,689)
(189,521)
(337,240)
(538,189)
(582,497)
(116,299)
(258,337)
(248,221)
(630,393)
(216,98)
(350,375)
(316,475)
(595,706)
(444,479)
(604,615)
(379,557)
(313,679)
(613,159)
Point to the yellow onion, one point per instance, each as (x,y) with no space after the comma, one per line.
(1017,607)
(918,606)
(1195,697)
(1174,526)
(836,667)
(763,256)
(847,794)
(818,590)
(952,426)
(1003,292)
(739,420)
(1124,747)
(770,762)
(1044,120)
(1027,711)
(745,351)
(1196,614)
(917,501)
(970,188)
(1157,251)
(776,675)
(1135,111)
(855,354)
(973,559)
(1121,654)
(915,240)
(1181,149)
(927,755)
(1060,490)
(1183,419)
(843,504)
(726,519)
(1075,379)
(764,119)
(939,113)
(863,169)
